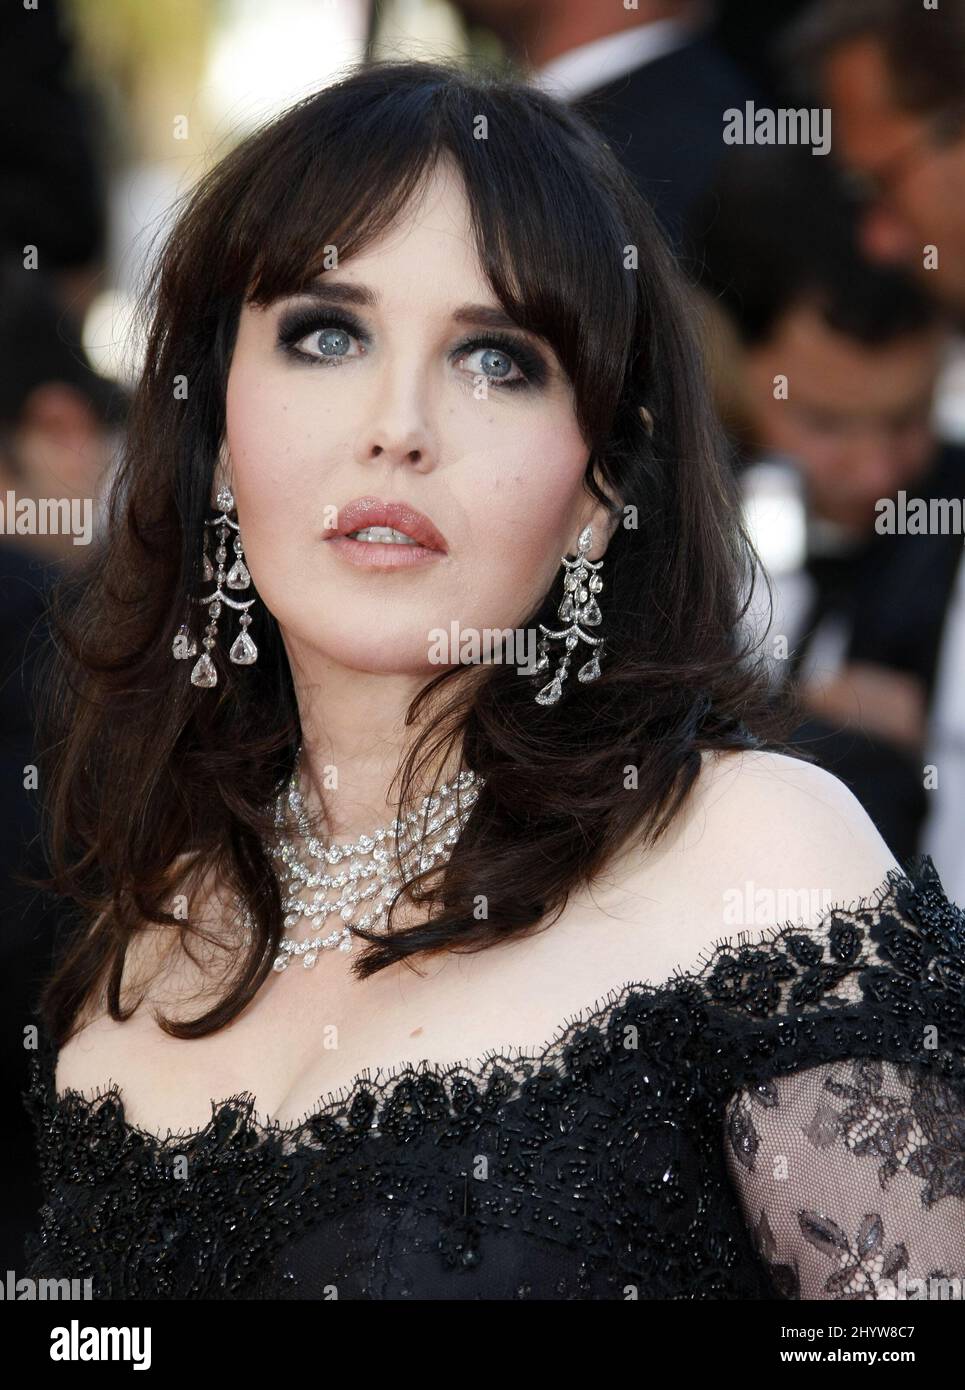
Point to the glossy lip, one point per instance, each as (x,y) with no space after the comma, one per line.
(382,554)
(372,511)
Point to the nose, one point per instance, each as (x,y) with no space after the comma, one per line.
(382,444)
(396,429)
(886,238)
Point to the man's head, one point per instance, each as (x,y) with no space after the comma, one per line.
(893,74)
(837,357)
(58,417)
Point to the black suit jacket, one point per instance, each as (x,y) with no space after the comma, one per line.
(665,121)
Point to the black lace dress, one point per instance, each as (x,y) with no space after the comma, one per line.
(786,1120)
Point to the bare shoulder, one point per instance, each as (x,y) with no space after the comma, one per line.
(783,816)
(792,805)
(765,819)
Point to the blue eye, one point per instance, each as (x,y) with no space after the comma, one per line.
(504,363)
(333,334)
(333,345)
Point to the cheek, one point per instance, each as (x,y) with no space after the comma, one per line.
(269,432)
(826,461)
(279,486)
(522,504)
(282,471)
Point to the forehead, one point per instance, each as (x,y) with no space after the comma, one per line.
(426,261)
(847,374)
(859,87)
(422,262)
(431,240)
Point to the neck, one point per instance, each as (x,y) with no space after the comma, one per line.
(539,35)
(354,741)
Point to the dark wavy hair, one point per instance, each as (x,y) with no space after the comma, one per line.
(143,770)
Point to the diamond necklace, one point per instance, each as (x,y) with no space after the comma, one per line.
(370,877)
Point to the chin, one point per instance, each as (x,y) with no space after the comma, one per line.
(396,655)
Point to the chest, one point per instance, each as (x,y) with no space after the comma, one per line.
(309,1033)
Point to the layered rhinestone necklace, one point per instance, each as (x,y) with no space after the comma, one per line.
(364,876)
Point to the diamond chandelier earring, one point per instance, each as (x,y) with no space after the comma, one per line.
(579,609)
(243,650)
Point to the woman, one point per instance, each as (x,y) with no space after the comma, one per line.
(482,1098)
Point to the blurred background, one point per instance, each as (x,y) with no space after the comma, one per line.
(829,289)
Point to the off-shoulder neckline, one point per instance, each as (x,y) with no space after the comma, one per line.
(919,874)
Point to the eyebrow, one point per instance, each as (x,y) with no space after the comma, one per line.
(335,292)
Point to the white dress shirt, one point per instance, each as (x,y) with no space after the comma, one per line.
(593,64)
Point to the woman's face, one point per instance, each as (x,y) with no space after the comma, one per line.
(395,399)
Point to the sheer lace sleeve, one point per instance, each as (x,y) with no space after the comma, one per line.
(844,1132)
(852,1180)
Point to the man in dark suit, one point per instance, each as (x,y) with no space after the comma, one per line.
(649,78)
(831,370)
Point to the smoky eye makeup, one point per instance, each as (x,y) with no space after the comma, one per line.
(297,323)
(301,322)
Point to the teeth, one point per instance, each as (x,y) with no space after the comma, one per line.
(383,535)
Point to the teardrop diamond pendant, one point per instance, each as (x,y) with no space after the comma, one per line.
(550,693)
(243,651)
(204,673)
(238,576)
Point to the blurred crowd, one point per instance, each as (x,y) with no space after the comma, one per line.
(828,285)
